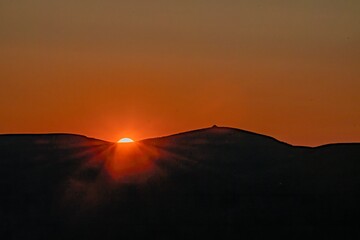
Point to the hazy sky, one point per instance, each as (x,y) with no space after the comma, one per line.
(111,69)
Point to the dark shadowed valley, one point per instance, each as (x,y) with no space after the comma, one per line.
(218,182)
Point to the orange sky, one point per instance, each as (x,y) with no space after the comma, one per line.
(112,69)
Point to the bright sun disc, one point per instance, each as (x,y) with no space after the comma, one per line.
(125,140)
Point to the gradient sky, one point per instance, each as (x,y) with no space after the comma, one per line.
(112,69)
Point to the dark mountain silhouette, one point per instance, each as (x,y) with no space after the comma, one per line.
(214,182)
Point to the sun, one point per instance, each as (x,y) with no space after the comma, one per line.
(125,140)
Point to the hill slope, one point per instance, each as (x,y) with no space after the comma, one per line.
(208,182)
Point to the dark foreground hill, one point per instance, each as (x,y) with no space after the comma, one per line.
(215,182)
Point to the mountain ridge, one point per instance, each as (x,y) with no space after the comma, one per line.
(175,135)
(207,182)
(214,130)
